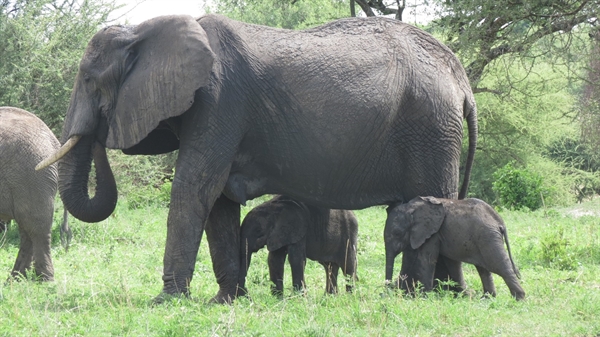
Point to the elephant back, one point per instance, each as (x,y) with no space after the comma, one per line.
(25,141)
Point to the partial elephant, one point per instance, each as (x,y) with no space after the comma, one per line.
(466,230)
(355,113)
(299,231)
(27,195)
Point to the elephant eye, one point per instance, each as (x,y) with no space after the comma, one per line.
(86,77)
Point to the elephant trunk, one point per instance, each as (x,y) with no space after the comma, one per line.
(245,256)
(74,171)
(389,264)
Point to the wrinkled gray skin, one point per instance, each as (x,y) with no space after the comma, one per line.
(299,231)
(466,230)
(355,113)
(27,195)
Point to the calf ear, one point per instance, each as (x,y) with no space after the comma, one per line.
(289,228)
(426,220)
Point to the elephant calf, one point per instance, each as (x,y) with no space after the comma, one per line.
(466,230)
(27,195)
(289,227)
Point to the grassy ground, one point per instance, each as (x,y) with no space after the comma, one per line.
(105,283)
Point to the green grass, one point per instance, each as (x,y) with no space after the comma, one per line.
(105,283)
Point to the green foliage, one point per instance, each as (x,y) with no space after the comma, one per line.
(297,14)
(144,181)
(581,164)
(483,31)
(572,152)
(555,251)
(518,188)
(521,126)
(41,43)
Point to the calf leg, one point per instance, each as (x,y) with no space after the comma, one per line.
(498,262)
(331,275)
(487,280)
(276,261)
(297,259)
(455,274)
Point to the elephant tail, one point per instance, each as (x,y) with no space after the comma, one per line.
(515,269)
(470,112)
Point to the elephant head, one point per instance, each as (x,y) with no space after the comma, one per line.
(409,225)
(275,225)
(133,81)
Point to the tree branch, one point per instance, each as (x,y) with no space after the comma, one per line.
(365,7)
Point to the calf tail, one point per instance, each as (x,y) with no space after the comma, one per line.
(516,270)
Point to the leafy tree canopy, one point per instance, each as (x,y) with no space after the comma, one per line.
(291,14)
(41,43)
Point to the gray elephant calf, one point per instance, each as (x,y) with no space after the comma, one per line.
(466,230)
(299,230)
(27,195)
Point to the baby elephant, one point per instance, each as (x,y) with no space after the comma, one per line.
(289,227)
(466,230)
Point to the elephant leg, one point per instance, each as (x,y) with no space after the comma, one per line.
(222,230)
(35,234)
(511,280)
(419,266)
(349,268)
(427,264)
(297,259)
(331,276)
(498,262)
(201,172)
(349,271)
(487,281)
(505,270)
(42,261)
(454,271)
(25,255)
(408,278)
(276,261)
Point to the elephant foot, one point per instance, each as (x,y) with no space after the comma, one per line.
(28,275)
(518,295)
(277,292)
(224,297)
(164,297)
(242,292)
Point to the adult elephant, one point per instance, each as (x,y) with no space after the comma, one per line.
(355,113)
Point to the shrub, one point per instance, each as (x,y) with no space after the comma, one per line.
(144,180)
(555,253)
(518,188)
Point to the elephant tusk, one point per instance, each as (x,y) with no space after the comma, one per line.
(58,154)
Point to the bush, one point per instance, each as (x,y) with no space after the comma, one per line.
(143,180)
(518,188)
(555,253)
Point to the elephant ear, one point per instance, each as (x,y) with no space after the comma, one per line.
(173,60)
(427,217)
(290,226)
